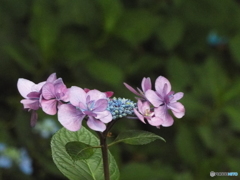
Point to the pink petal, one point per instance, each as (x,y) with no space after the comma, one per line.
(24,87)
(140,116)
(48,91)
(146,84)
(70,117)
(109,94)
(153,98)
(100,105)
(160,83)
(177,109)
(155,121)
(162,112)
(177,96)
(96,95)
(49,106)
(96,125)
(145,107)
(30,104)
(52,77)
(104,116)
(77,95)
(131,89)
(38,87)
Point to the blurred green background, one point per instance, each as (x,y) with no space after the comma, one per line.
(99,44)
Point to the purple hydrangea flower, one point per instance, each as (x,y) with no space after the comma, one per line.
(53,94)
(32,93)
(144,111)
(164,99)
(91,104)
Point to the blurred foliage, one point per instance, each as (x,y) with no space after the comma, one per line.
(103,43)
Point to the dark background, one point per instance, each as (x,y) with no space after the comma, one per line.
(99,44)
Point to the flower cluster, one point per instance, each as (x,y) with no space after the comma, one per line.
(73,105)
(153,105)
(121,107)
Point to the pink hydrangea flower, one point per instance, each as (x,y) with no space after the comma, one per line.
(32,93)
(53,93)
(146,85)
(144,111)
(91,104)
(164,99)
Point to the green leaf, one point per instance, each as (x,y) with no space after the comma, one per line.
(78,150)
(86,169)
(136,137)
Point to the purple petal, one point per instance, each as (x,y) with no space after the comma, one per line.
(52,77)
(24,87)
(30,104)
(153,98)
(48,91)
(177,109)
(34,95)
(96,95)
(49,106)
(160,83)
(96,125)
(177,96)
(131,89)
(38,87)
(104,116)
(140,116)
(145,107)
(155,121)
(77,95)
(70,117)
(100,105)
(162,113)
(146,84)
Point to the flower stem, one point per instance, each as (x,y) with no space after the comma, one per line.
(104,148)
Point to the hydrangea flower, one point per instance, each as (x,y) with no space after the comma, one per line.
(146,85)
(164,99)
(32,93)
(53,94)
(92,104)
(144,111)
(121,107)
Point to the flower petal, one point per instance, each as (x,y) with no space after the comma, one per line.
(49,106)
(140,116)
(155,121)
(48,91)
(160,83)
(30,104)
(146,84)
(131,89)
(177,109)
(104,116)
(177,96)
(96,125)
(96,95)
(70,117)
(100,105)
(162,113)
(24,87)
(52,77)
(77,95)
(153,98)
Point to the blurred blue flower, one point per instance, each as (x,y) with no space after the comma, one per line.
(5,162)
(25,163)
(214,39)
(46,128)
